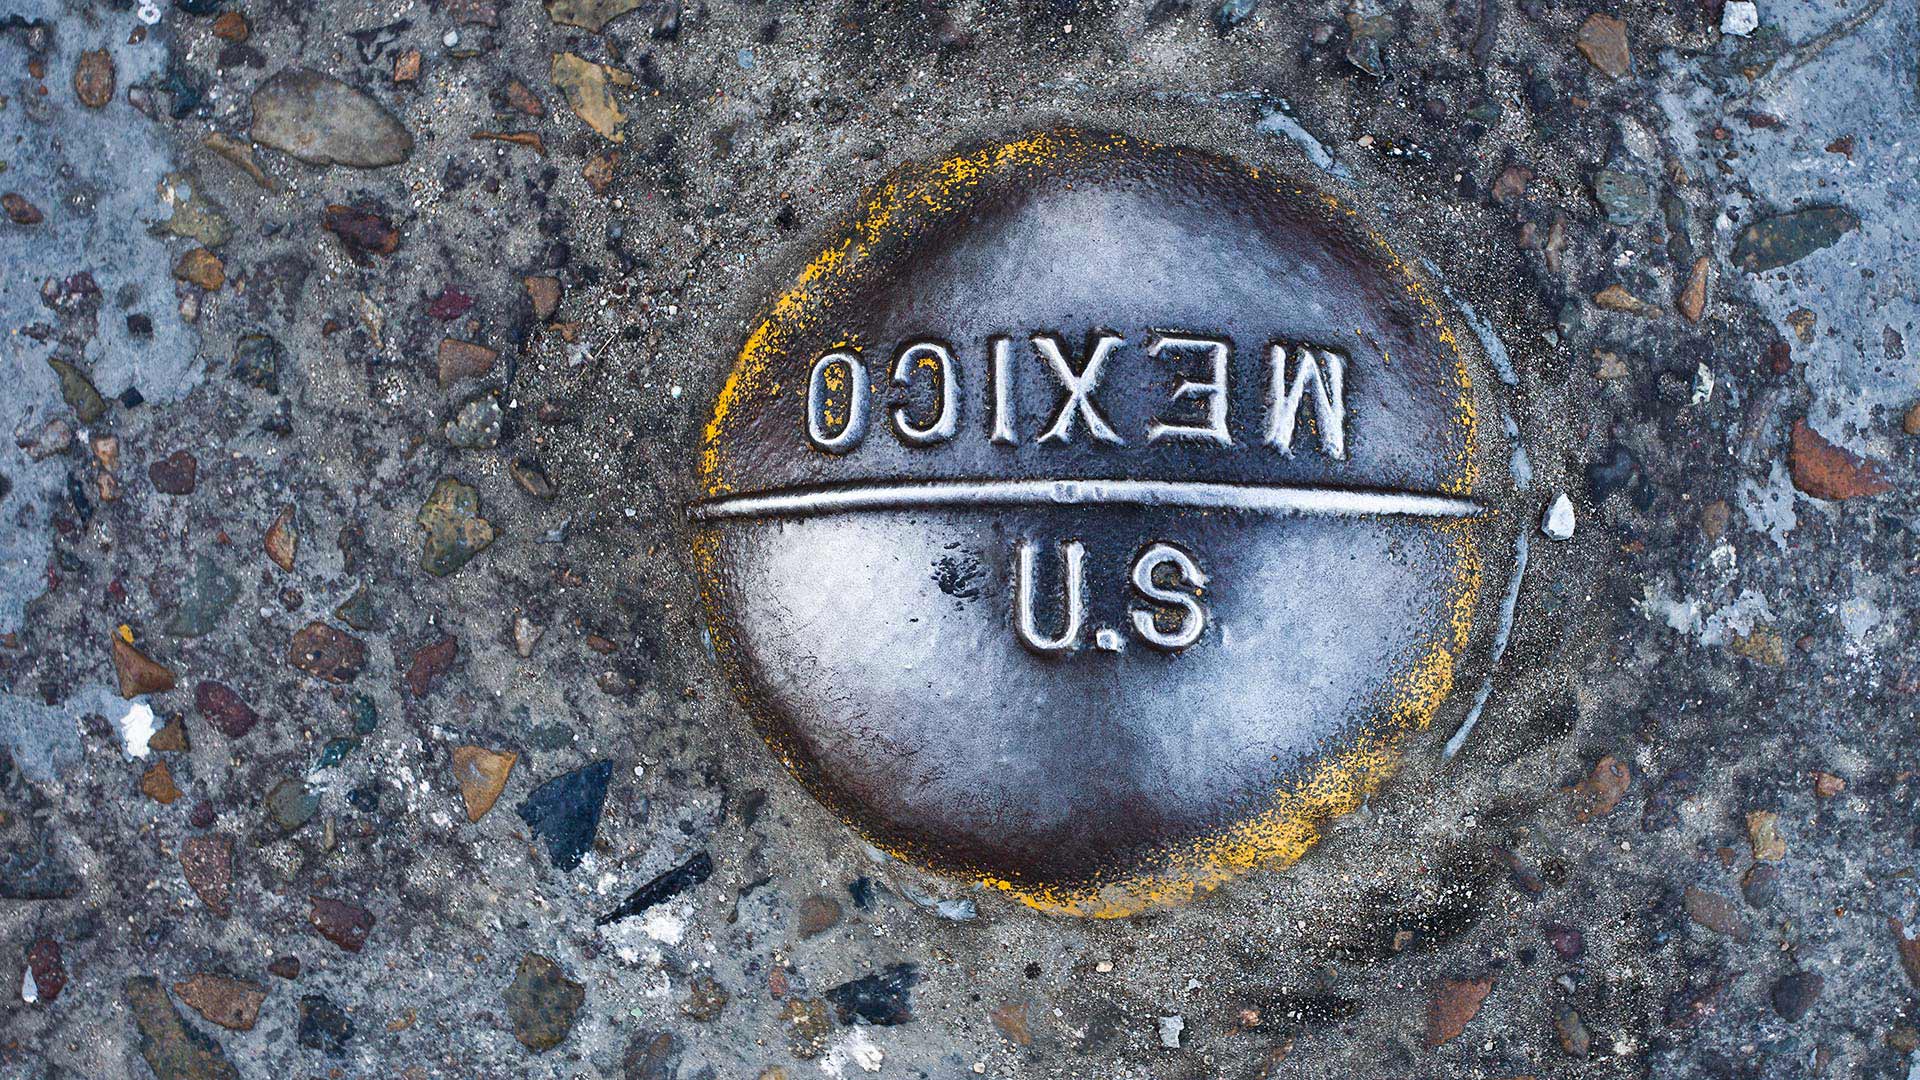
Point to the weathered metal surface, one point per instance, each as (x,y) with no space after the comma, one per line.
(1096,518)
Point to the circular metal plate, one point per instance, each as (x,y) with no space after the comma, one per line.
(1096,518)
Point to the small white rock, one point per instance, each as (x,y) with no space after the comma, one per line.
(1557,523)
(29,989)
(137,729)
(526,635)
(668,927)
(857,1049)
(1170,1029)
(961,910)
(1702,384)
(1739,18)
(865,1054)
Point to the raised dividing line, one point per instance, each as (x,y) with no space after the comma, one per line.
(1008,494)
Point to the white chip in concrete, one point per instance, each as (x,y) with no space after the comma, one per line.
(1739,18)
(137,729)
(1557,524)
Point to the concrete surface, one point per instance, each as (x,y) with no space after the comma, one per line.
(1712,626)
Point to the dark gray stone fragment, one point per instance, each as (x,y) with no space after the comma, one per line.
(879,999)
(257,360)
(291,804)
(1773,242)
(542,1003)
(1794,994)
(564,812)
(1761,886)
(1627,198)
(324,1026)
(668,885)
(323,121)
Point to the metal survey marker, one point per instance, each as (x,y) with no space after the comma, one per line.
(1098,518)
